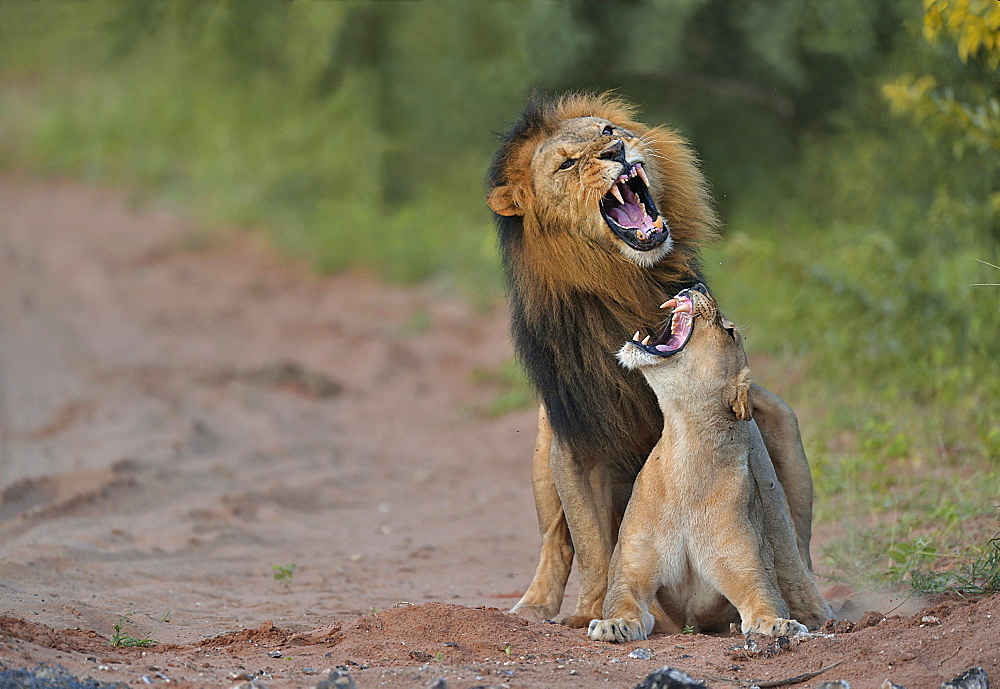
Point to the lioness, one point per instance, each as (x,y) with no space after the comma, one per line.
(707,527)
(600,219)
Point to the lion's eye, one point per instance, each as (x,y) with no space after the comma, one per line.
(608,131)
(568,163)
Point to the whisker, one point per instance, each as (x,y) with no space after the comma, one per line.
(651,154)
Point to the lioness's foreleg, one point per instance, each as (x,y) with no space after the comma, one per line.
(735,563)
(634,580)
(543,598)
(779,428)
(585,490)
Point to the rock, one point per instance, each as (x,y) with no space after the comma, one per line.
(887,684)
(641,654)
(669,678)
(834,684)
(51,677)
(929,619)
(439,683)
(973,678)
(337,679)
(274,654)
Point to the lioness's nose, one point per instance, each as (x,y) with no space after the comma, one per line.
(614,151)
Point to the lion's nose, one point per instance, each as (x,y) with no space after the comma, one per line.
(614,151)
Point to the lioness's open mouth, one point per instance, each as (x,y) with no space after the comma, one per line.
(629,211)
(677,333)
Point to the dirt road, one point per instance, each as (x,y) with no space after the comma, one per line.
(184,416)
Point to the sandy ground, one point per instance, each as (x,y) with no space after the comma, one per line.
(181,413)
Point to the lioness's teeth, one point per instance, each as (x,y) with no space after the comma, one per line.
(641,235)
(642,174)
(659,222)
(668,304)
(645,340)
(636,336)
(618,194)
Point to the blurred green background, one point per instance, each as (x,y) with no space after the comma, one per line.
(853,147)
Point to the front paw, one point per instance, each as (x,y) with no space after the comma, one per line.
(574,621)
(533,613)
(776,626)
(616,631)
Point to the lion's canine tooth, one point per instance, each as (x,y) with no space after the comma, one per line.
(618,194)
(659,222)
(641,235)
(636,336)
(642,174)
(646,340)
(669,303)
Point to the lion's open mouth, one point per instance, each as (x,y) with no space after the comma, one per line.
(677,333)
(629,210)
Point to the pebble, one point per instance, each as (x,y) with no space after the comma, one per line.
(973,678)
(835,684)
(274,654)
(337,679)
(641,654)
(669,678)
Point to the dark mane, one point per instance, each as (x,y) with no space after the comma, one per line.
(566,336)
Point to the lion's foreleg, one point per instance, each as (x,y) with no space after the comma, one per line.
(779,428)
(543,598)
(585,490)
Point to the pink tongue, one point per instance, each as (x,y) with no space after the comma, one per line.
(632,217)
(630,214)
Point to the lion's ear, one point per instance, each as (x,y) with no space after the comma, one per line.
(504,200)
(739,396)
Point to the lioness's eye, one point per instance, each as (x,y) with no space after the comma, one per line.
(608,131)
(568,163)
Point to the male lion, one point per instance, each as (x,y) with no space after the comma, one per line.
(707,527)
(600,219)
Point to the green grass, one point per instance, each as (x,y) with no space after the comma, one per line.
(118,639)
(284,573)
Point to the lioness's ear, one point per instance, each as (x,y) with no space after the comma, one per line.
(739,396)
(504,200)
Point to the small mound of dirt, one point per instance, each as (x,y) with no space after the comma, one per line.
(453,633)
(267,633)
(69,640)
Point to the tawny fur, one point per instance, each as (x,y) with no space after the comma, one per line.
(707,531)
(576,290)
